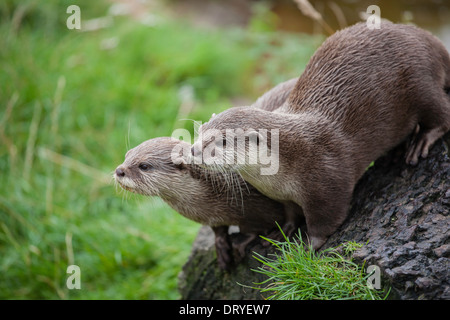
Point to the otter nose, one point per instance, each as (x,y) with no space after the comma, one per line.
(120,172)
(193,151)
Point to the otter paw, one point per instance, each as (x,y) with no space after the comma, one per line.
(223,251)
(240,246)
(290,228)
(275,235)
(421,143)
(317,242)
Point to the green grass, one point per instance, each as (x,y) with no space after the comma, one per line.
(70,109)
(297,272)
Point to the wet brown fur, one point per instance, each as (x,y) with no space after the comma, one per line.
(362,93)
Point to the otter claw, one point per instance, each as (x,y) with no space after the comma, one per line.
(421,143)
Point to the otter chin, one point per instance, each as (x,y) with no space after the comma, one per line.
(124,186)
(124,182)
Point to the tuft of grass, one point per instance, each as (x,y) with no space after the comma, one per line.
(296,272)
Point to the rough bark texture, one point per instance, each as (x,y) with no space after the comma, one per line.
(400,213)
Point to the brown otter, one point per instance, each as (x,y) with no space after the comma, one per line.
(276,97)
(362,93)
(210,198)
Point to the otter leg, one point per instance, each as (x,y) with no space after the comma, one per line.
(324,215)
(242,245)
(421,143)
(293,214)
(223,247)
(433,124)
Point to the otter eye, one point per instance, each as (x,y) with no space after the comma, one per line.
(145,167)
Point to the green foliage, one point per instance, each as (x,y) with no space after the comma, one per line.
(263,20)
(71,104)
(297,272)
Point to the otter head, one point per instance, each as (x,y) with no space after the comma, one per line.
(148,167)
(237,140)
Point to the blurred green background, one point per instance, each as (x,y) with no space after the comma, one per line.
(71,104)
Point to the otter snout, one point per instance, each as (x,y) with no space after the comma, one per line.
(124,180)
(120,172)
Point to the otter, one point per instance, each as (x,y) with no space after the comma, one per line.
(362,93)
(210,198)
(276,97)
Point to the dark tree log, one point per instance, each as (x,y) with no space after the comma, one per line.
(400,213)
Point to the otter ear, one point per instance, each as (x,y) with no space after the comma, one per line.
(180,156)
(180,163)
(181,166)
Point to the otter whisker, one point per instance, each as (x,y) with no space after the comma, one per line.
(197,125)
(243,182)
(239,189)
